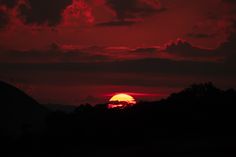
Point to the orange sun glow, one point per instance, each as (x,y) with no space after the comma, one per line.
(121,101)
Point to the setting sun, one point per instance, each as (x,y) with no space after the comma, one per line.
(121,101)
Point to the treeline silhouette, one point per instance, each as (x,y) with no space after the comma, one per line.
(200,120)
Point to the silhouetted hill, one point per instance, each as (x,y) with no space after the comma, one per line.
(196,121)
(18,111)
(60,107)
(203,97)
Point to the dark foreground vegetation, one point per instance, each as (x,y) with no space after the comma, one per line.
(198,121)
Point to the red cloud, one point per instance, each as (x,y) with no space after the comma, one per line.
(77,11)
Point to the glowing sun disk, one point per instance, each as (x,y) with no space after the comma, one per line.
(121,101)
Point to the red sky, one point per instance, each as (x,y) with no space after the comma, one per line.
(78,51)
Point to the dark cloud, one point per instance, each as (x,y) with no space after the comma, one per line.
(185,50)
(142,72)
(133,8)
(4,19)
(54,47)
(132,73)
(231,4)
(38,11)
(126,11)
(200,35)
(8,3)
(141,53)
(228,48)
(225,51)
(234,25)
(53,55)
(44,11)
(146,50)
(117,23)
(229,1)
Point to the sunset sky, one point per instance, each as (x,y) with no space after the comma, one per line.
(85,51)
